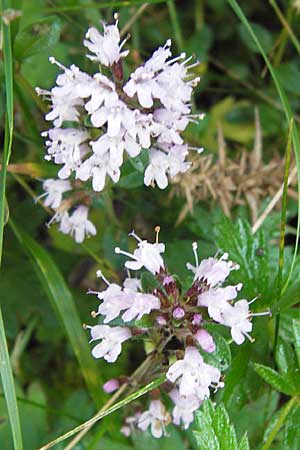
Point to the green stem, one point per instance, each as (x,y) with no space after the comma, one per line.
(280,421)
(282,230)
(109,207)
(175,24)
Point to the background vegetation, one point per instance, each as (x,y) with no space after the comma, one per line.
(247,135)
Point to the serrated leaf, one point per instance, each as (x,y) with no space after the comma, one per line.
(285,357)
(250,252)
(37,38)
(296,332)
(277,381)
(214,429)
(291,434)
(244,444)
(224,428)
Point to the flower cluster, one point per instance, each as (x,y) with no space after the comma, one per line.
(100,120)
(165,314)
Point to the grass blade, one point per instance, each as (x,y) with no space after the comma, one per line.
(154,384)
(288,114)
(9,389)
(98,5)
(9,118)
(282,230)
(63,304)
(5,368)
(175,24)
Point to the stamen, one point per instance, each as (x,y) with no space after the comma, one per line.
(251,339)
(94,314)
(100,275)
(177,58)
(195,247)
(40,196)
(253,300)
(93,292)
(264,313)
(157,230)
(122,252)
(54,61)
(135,236)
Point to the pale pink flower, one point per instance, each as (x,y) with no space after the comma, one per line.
(156,417)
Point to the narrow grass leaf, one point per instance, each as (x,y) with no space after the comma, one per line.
(63,304)
(102,5)
(154,384)
(5,368)
(9,389)
(282,229)
(9,120)
(175,24)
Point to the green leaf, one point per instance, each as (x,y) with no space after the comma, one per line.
(9,389)
(288,74)
(250,252)
(221,357)
(263,35)
(37,38)
(148,281)
(244,444)
(291,433)
(296,332)
(277,381)
(63,304)
(214,430)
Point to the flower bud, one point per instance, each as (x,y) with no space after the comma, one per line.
(178,313)
(111,385)
(205,340)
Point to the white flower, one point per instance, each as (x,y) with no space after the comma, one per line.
(114,301)
(146,255)
(106,46)
(97,167)
(112,338)
(66,146)
(184,408)
(143,83)
(72,86)
(115,116)
(140,304)
(54,190)
(142,130)
(176,160)
(157,169)
(237,318)
(77,224)
(103,91)
(193,375)
(216,300)
(156,417)
(132,284)
(213,271)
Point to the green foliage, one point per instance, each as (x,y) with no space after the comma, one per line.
(251,253)
(63,304)
(38,37)
(234,62)
(215,431)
